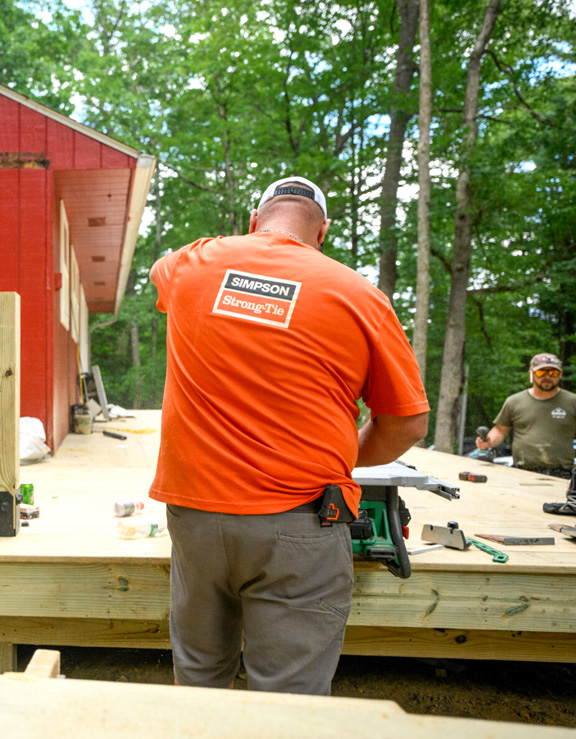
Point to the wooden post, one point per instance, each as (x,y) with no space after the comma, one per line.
(9,413)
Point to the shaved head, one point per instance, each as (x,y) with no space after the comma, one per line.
(297,208)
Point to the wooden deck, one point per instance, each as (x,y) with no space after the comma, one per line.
(67,579)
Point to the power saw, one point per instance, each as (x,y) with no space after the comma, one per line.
(382,525)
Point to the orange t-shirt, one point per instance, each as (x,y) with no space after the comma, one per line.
(270,344)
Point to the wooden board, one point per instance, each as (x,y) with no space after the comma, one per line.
(31,707)
(101,392)
(9,392)
(44,663)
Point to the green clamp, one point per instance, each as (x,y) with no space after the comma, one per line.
(497,555)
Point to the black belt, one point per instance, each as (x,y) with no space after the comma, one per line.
(312,507)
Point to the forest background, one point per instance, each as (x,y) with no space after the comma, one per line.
(469,104)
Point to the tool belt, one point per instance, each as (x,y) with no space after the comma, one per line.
(333,508)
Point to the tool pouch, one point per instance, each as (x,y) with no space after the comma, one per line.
(334,508)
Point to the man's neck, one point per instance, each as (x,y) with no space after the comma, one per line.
(539,394)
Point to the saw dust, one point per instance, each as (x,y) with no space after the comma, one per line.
(524,692)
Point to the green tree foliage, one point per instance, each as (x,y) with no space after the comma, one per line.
(230,95)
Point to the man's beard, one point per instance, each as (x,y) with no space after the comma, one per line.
(551,384)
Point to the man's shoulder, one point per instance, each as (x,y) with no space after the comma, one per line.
(567,396)
(353,278)
(519,397)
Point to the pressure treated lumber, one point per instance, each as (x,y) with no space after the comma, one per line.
(44,663)
(37,708)
(9,392)
(460,644)
(7,657)
(68,579)
(82,632)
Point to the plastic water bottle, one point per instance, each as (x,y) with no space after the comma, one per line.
(127,508)
(140,529)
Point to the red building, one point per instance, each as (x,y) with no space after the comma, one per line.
(71,202)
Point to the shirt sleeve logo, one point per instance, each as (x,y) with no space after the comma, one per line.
(257,298)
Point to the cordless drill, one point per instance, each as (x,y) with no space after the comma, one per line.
(486,454)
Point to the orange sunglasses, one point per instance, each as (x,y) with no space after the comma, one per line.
(551,372)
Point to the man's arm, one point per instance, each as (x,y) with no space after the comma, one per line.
(151,275)
(385,438)
(495,436)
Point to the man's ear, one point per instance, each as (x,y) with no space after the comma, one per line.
(323,231)
(253,222)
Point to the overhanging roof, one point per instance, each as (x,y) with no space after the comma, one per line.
(104,204)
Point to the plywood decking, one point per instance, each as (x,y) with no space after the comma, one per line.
(67,579)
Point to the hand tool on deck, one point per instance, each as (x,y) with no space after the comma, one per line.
(518,540)
(114,435)
(566,530)
(453,537)
(472,477)
(382,525)
(487,455)
(497,555)
(449,536)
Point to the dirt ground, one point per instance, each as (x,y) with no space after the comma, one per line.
(525,692)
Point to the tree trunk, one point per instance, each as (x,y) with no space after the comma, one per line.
(135,344)
(136,362)
(228,166)
(454,343)
(420,338)
(157,217)
(152,400)
(399,117)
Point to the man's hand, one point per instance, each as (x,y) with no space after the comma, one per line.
(495,436)
(385,438)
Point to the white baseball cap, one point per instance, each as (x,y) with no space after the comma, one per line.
(276,189)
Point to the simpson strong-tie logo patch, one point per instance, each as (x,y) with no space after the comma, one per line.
(258,298)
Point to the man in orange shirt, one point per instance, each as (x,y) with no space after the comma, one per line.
(270,345)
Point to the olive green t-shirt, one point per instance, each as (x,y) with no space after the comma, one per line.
(544,430)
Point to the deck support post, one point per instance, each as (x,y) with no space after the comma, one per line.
(9,414)
(8,656)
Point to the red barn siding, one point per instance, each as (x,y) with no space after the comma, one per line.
(32,131)
(60,146)
(30,244)
(26,253)
(114,159)
(9,229)
(10,131)
(87,152)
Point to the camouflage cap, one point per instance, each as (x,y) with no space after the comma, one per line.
(545,360)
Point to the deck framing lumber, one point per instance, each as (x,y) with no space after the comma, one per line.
(10,393)
(69,580)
